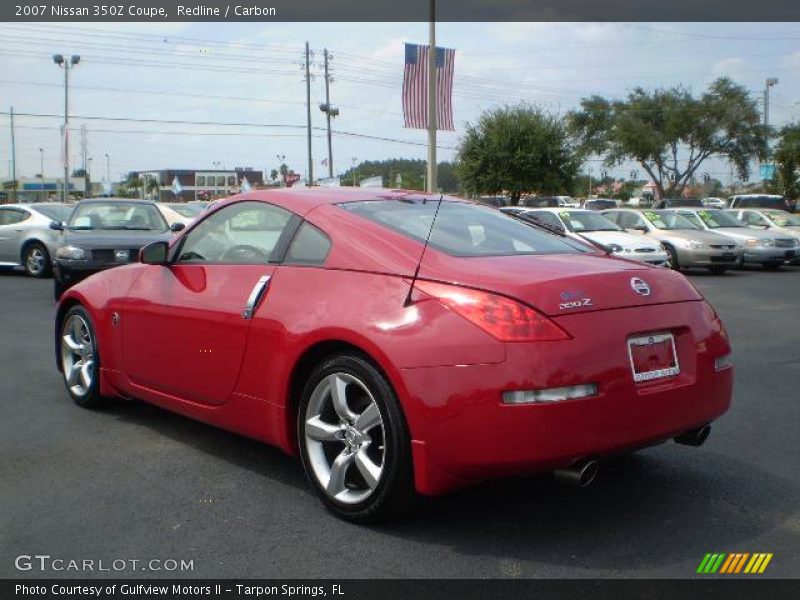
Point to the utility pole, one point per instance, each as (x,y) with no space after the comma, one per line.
(84,154)
(310,178)
(13,155)
(767,84)
(108,170)
(67,63)
(42,196)
(330,111)
(432,183)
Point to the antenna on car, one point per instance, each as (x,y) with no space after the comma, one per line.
(424,248)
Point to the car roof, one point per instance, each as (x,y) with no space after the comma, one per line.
(112,199)
(303,200)
(556,209)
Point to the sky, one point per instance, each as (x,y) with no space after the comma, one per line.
(250,77)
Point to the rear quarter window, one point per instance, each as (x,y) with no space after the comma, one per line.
(309,247)
(463,229)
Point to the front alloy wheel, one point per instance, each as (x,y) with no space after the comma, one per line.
(79,357)
(353,440)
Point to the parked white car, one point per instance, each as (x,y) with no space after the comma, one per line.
(591,226)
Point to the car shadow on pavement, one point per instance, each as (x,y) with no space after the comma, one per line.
(237,450)
(660,506)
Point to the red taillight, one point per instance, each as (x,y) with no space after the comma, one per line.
(501,317)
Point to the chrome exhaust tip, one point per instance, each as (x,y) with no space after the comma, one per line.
(695,437)
(581,474)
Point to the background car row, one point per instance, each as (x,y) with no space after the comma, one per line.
(678,238)
(71,243)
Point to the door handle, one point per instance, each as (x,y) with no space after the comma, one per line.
(255,297)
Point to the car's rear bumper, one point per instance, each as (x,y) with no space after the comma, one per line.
(463,432)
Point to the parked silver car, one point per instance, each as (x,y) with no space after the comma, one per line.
(590,225)
(26,238)
(775,222)
(766,248)
(687,244)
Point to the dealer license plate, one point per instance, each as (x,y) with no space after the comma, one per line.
(653,357)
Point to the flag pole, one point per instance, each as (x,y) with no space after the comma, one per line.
(432,183)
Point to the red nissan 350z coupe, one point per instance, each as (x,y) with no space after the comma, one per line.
(402,344)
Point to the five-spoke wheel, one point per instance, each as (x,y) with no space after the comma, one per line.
(353,440)
(79,357)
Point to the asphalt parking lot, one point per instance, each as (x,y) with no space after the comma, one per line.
(135,482)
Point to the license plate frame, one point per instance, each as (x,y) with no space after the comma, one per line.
(663,372)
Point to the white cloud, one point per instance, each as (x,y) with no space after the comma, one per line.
(730,67)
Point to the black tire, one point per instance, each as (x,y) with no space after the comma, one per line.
(718,270)
(672,258)
(36,261)
(85,393)
(394,491)
(58,289)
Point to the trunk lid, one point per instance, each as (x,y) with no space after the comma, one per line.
(560,284)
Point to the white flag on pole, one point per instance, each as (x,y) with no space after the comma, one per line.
(176,186)
(245,187)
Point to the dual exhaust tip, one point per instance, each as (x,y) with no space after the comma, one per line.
(584,473)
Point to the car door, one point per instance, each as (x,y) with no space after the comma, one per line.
(12,229)
(185,325)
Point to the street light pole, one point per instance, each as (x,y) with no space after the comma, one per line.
(767,84)
(67,63)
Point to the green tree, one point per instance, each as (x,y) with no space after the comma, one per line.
(671,133)
(517,150)
(787,159)
(412,173)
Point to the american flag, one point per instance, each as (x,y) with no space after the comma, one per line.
(415,87)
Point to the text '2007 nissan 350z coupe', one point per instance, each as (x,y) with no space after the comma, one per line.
(401,344)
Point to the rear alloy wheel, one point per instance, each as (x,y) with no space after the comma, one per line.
(36,260)
(80,362)
(353,440)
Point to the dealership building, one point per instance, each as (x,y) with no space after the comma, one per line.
(208,184)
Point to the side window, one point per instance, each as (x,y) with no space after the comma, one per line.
(242,233)
(10,216)
(310,246)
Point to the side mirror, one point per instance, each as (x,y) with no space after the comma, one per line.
(178,226)
(155,253)
(57,225)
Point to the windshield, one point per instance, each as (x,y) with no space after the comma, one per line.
(669,220)
(714,219)
(463,229)
(583,220)
(117,214)
(187,210)
(56,212)
(782,219)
